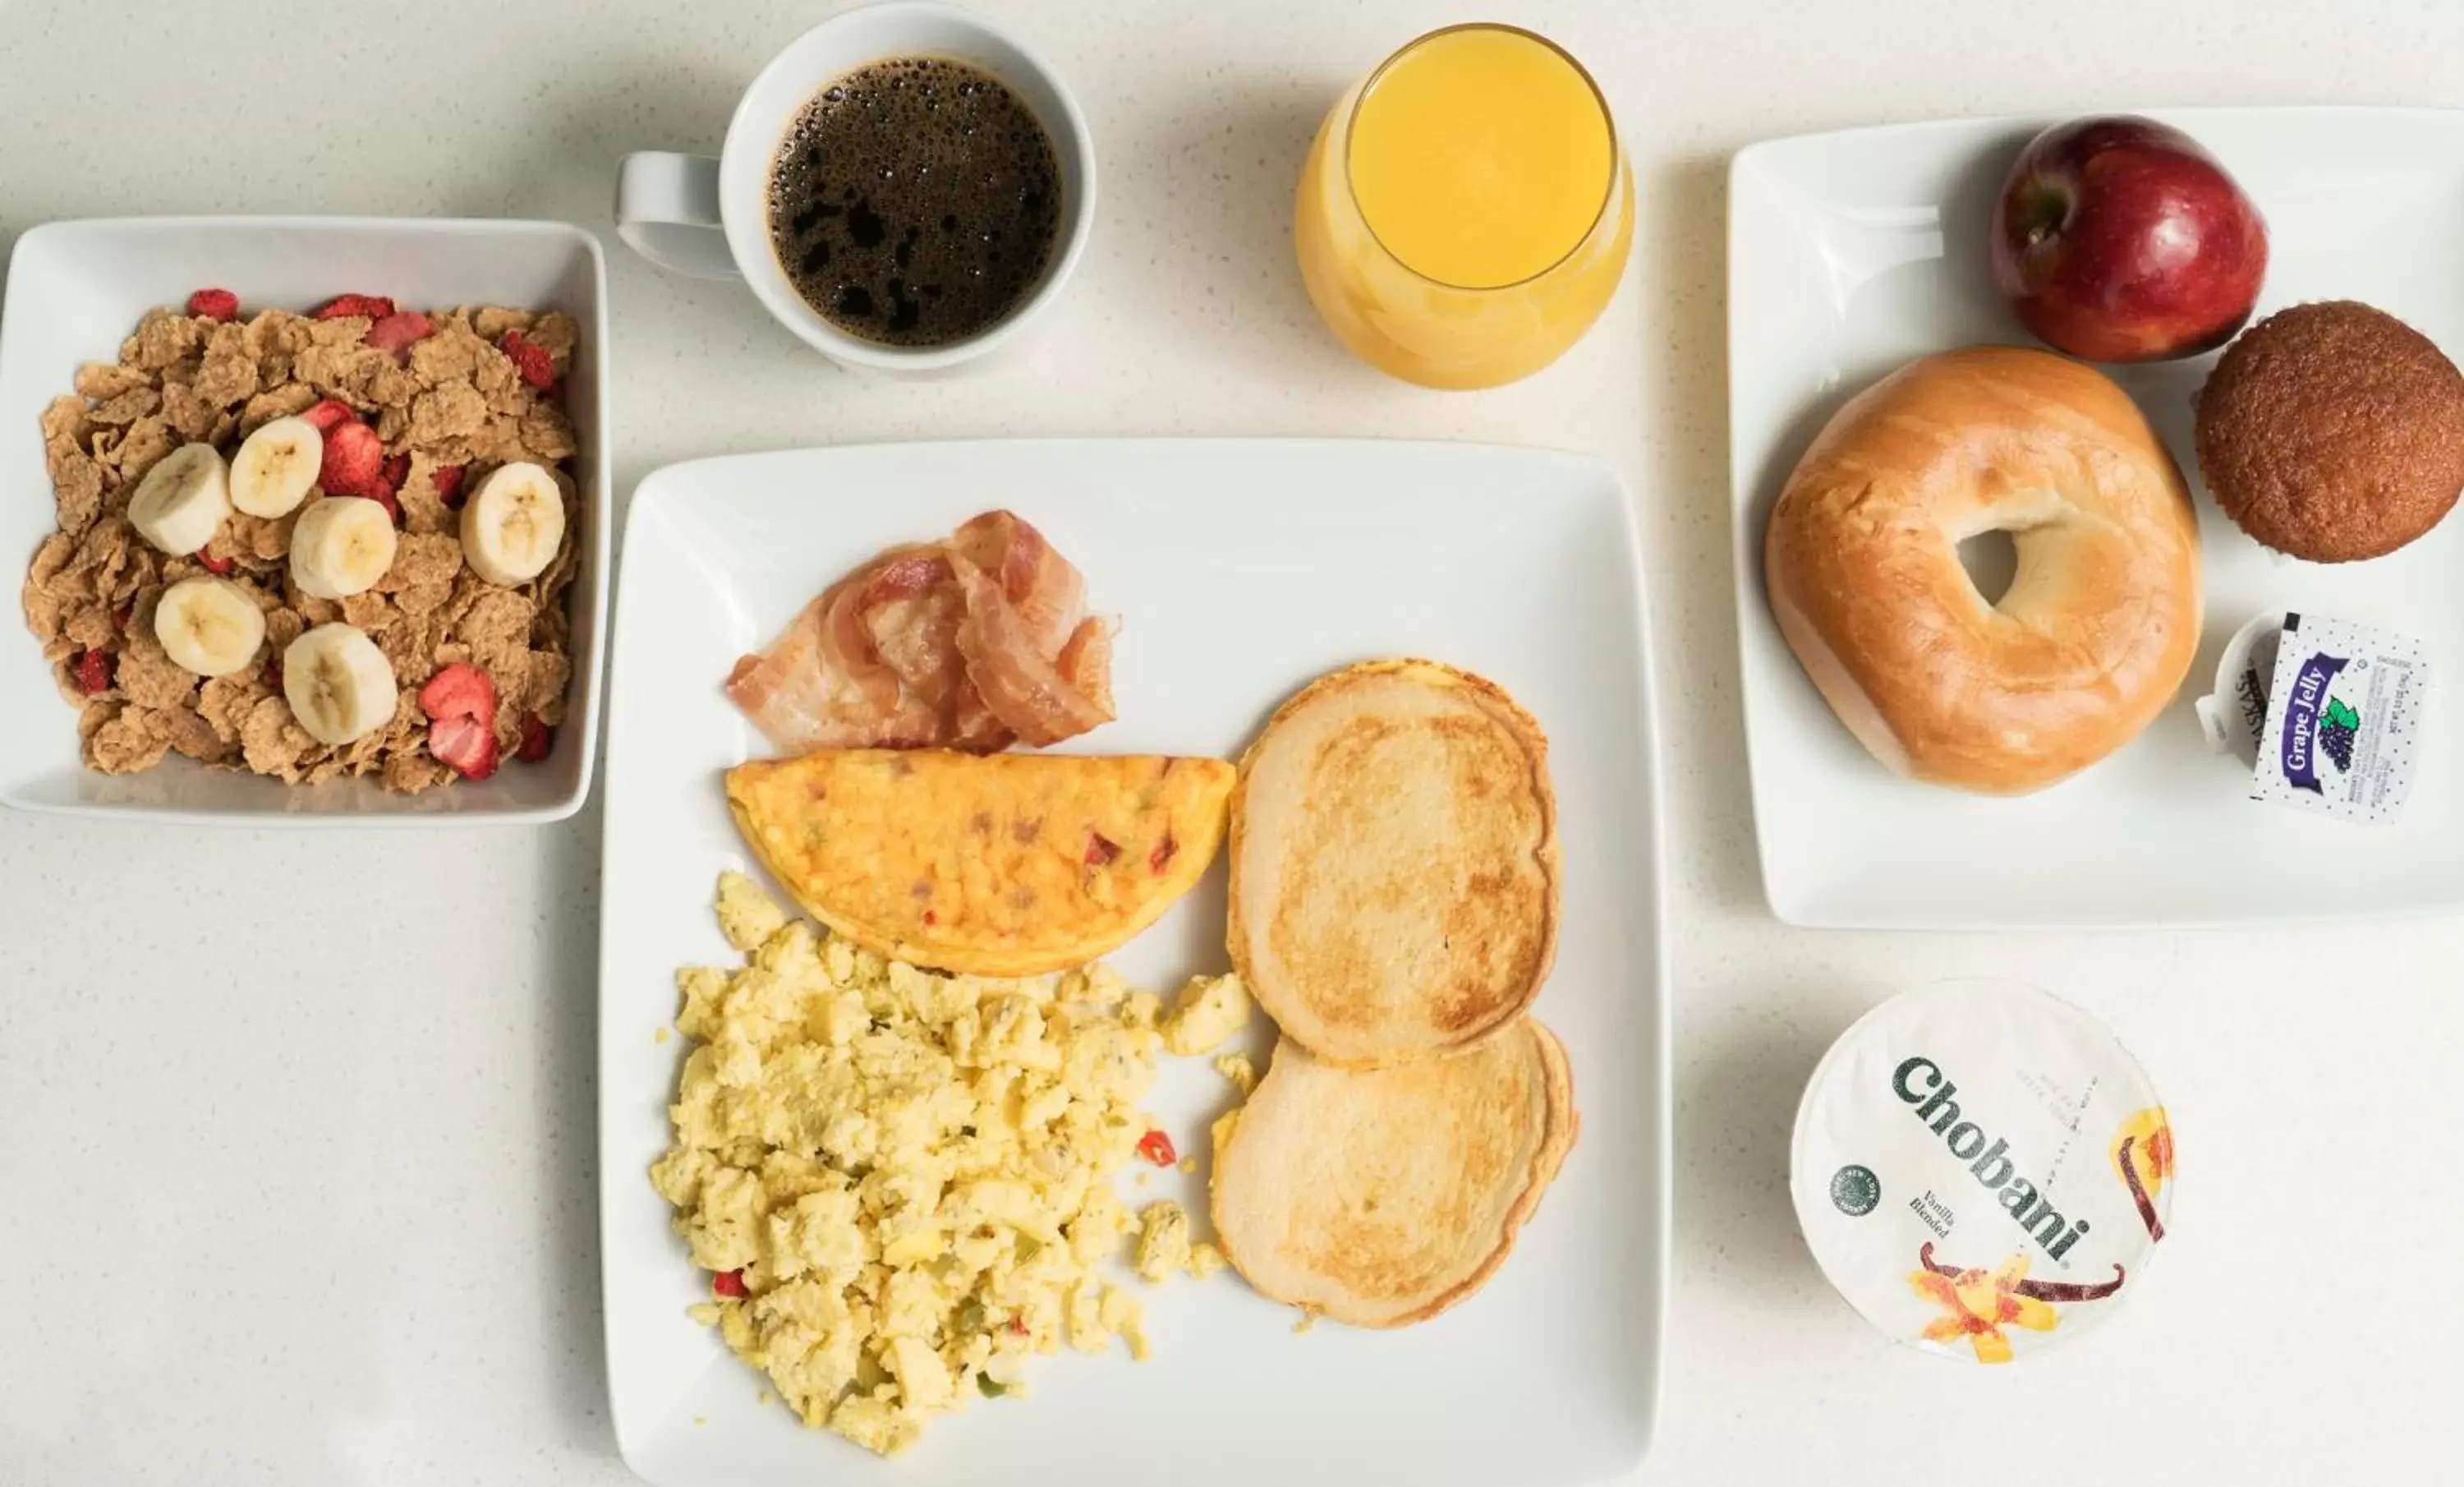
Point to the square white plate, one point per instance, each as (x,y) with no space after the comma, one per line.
(1850,254)
(75,289)
(1241,570)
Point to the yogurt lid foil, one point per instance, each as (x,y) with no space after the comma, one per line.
(1982,1169)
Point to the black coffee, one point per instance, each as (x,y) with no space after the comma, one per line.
(915,201)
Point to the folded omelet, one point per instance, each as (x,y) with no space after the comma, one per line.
(984,864)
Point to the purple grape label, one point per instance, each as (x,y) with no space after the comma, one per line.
(2299,742)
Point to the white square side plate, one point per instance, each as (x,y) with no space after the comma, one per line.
(1853,253)
(1240,570)
(77,289)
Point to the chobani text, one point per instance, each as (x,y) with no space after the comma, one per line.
(1920,1082)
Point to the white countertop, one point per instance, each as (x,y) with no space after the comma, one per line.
(296,1131)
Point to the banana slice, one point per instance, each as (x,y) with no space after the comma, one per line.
(209,626)
(182,500)
(339,684)
(513,525)
(274,466)
(340,547)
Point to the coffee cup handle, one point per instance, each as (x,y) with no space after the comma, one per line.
(667,211)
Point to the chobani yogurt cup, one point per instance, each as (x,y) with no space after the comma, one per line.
(1981,1169)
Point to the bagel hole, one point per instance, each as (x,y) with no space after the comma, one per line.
(1991,559)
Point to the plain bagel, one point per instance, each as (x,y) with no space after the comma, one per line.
(2099,623)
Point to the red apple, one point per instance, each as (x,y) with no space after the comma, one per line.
(2120,239)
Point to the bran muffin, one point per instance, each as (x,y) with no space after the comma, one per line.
(2333,433)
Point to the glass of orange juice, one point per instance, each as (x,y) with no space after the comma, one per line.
(1465,212)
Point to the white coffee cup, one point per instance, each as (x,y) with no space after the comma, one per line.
(709,219)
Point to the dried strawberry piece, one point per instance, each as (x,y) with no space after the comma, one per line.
(330,414)
(214,304)
(729,1283)
(94,672)
(530,359)
(448,484)
(1100,849)
(354,463)
(390,475)
(459,689)
(217,566)
(460,702)
(397,333)
(467,745)
(375,307)
(538,739)
(1157,1147)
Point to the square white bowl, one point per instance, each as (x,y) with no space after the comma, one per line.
(75,289)
(1240,569)
(1850,254)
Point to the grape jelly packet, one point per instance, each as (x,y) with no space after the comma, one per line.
(2341,730)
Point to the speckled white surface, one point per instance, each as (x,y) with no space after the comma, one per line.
(294,1131)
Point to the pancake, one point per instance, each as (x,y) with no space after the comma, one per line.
(1382,1197)
(984,864)
(1394,874)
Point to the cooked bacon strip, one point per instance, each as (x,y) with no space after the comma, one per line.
(1086,662)
(972,726)
(911,610)
(823,685)
(1047,591)
(905,573)
(847,648)
(800,700)
(785,690)
(1022,686)
(975,643)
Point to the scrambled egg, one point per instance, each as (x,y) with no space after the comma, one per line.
(1163,1240)
(1164,1245)
(1209,1011)
(902,1180)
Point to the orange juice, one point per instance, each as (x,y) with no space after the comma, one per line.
(1465,212)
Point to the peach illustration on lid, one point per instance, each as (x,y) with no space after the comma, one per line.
(1981,1169)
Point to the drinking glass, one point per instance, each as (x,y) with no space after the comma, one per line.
(1465,211)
